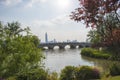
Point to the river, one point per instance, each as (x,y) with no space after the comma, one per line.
(57,59)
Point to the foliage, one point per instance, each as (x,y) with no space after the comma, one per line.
(94,37)
(110,30)
(13,29)
(86,73)
(19,53)
(53,76)
(11,78)
(103,15)
(34,74)
(87,51)
(107,33)
(92,12)
(68,73)
(115,69)
(79,73)
(96,53)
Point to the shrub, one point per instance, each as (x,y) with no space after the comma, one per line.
(86,73)
(79,73)
(87,51)
(36,74)
(11,78)
(115,69)
(95,53)
(68,73)
(19,53)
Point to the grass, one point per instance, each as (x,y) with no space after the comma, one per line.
(112,78)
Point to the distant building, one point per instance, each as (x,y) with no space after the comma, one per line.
(54,40)
(46,38)
(68,40)
(74,41)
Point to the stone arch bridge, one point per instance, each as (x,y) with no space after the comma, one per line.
(62,45)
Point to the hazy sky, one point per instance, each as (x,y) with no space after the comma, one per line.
(51,16)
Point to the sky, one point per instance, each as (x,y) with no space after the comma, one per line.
(51,16)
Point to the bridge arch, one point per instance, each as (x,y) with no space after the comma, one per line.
(63,45)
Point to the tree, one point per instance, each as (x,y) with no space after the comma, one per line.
(13,29)
(1,32)
(19,54)
(94,37)
(108,32)
(92,12)
(111,27)
(103,15)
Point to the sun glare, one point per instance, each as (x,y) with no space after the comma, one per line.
(63,3)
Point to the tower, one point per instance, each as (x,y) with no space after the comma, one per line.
(46,38)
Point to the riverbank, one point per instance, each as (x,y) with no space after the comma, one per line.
(113,70)
(99,54)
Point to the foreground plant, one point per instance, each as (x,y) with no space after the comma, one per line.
(18,53)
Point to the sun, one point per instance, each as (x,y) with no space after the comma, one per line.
(63,3)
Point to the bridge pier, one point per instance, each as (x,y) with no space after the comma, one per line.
(87,46)
(72,46)
(61,47)
(50,47)
(80,46)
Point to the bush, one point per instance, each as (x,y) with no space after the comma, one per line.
(79,73)
(95,53)
(68,73)
(36,74)
(11,78)
(19,53)
(115,70)
(87,51)
(86,73)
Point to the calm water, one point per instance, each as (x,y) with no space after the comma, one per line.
(58,59)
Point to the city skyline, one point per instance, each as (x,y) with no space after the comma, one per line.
(54,40)
(51,16)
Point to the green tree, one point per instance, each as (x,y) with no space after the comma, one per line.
(13,29)
(19,53)
(94,37)
(53,76)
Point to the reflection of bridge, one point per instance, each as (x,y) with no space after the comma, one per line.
(62,45)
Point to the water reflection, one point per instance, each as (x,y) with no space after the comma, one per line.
(58,59)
